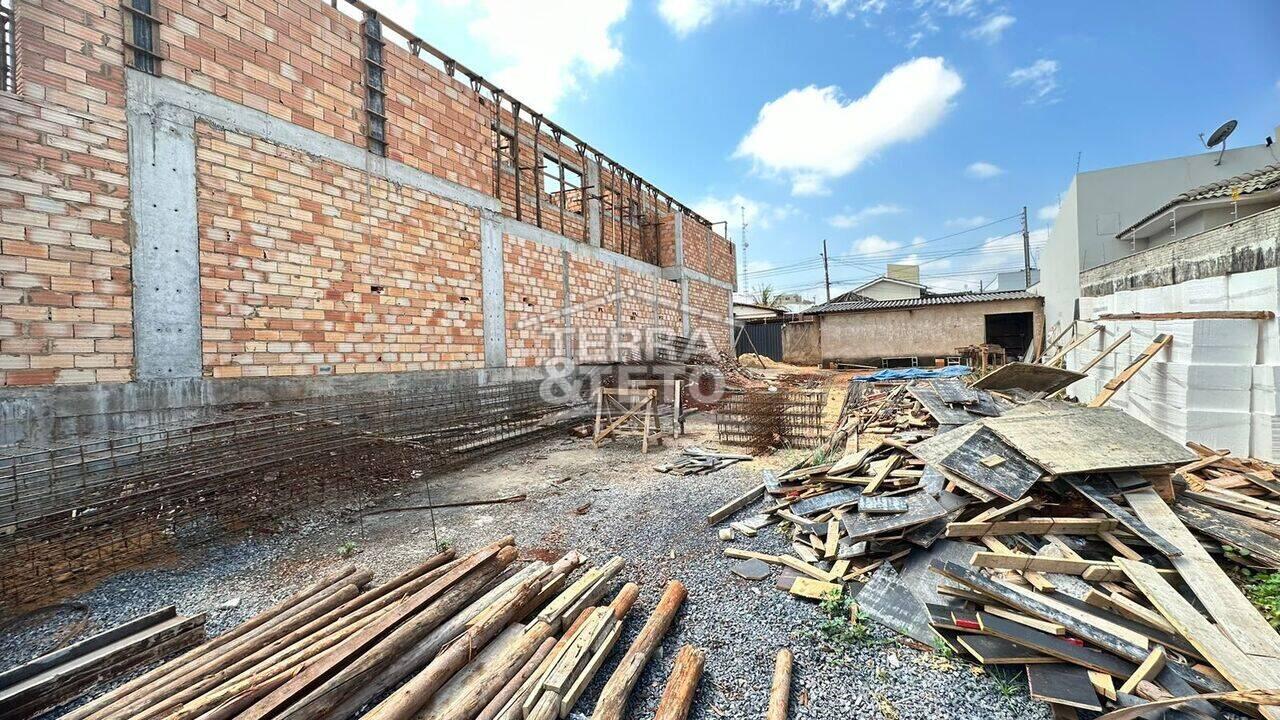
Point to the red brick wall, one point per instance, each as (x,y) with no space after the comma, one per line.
(534,287)
(65,313)
(708,311)
(343,270)
(723,260)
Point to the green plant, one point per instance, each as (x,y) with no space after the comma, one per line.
(1007,685)
(1263,588)
(942,648)
(840,626)
(347,549)
(443,545)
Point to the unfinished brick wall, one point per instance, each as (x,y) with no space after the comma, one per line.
(310,267)
(708,312)
(307,266)
(534,288)
(65,313)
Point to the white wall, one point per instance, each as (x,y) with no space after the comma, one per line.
(884,290)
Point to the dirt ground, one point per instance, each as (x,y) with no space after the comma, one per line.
(602,503)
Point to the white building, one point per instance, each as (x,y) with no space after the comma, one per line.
(1099,204)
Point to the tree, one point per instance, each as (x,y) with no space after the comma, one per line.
(765,295)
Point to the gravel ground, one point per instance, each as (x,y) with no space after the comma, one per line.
(601,503)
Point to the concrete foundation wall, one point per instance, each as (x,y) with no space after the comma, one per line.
(927,332)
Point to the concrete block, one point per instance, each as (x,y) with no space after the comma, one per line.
(1264,436)
(1199,295)
(1212,342)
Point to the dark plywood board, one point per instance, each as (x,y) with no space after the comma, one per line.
(1176,642)
(1063,684)
(954,391)
(931,481)
(998,651)
(921,508)
(1030,377)
(1228,528)
(887,600)
(1074,624)
(942,412)
(1054,646)
(1096,496)
(818,504)
(929,533)
(1011,479)
(924,584)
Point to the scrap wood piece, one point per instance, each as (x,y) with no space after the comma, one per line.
(649,426)
(921,508)
(887,601)
(821,503)
(1032,378)
(814,589)
(1077,342)
(736,504)
(1032,526)
(1227,527)
(780,691)
(1140,629)
(461,503)
(885,468)
(1010,615)
(990,650)
(58,676)
(1054,646)
(612,702)
(1106,351)
(1077,623)
(1066,439)
(1063,684)
(1039,563)
(995,513)
(1241,670)
(677,696)
(883,505)
(1114,384)
(1146,671)
(989,461)
(1133,524)
(1233,612)
(1151,709)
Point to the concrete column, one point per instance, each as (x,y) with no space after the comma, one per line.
(166,252)
(493,290)
(594,233)
(685,324)
(567,315)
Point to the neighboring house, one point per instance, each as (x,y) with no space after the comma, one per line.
(1099,204)
(856,328)
(747,312)
(887,288)
(1205,207)
(1016,279)
(758,329)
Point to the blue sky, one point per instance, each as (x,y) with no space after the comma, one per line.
(881,126)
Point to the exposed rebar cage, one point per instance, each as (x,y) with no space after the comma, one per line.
(79,511)
(764,419)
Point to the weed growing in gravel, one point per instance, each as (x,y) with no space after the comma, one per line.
(443,545)
(347,549)
(839,626)
(1008,685)
(942,648)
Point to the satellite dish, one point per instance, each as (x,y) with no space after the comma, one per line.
(1219,137)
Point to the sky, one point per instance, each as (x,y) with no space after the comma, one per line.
(912,131)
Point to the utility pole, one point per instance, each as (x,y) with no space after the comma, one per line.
(826,269)
(1026,251)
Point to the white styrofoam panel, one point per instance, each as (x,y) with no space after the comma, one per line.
(1264,436)
(1214,428)
(1263,398)
(1200,295)
(1213,342)
(1269,342)
(1196,387)
(1087,308)
(1156,299)
(1102,305)
(1258,290)
(1124,302)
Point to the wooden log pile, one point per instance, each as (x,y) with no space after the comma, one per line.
(481,636)
(1075,545)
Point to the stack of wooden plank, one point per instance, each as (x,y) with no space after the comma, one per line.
(696,461)
(481,636)
(43,683)
(1076,544)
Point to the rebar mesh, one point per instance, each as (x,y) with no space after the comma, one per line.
(81,510)
(764,419)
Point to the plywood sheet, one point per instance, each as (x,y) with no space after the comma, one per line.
(887,601)
(1011,478)
(1030,377)
(921,508)
(1083,440)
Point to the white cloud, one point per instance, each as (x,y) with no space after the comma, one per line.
(917,240)
(969,222)
(1040,77)
(846,220)
(814,135)
(545,51)
(983,170)
(873,245)
(1048,212)
(687,16)
(992,28)
(758,214)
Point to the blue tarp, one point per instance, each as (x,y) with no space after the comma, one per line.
(917,373)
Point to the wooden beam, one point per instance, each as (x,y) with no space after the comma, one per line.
(1117,382)
(1032,526)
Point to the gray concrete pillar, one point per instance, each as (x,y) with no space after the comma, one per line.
(595,234)
(166,251)
(493,290)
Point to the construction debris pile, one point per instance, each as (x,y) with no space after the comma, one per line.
(696,461)
(1076,544)
(455,639)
